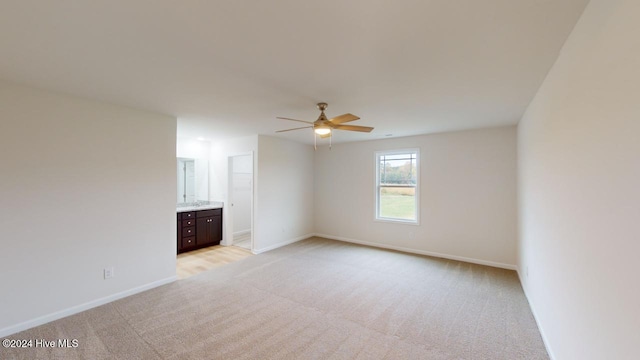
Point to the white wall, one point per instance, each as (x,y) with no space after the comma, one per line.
(284,197)
(579,177)
(467,191)
(193,148)
(84,185)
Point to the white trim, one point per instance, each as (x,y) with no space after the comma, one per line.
(282,243)
(241,232)
(82,307)
(376,190)
(545,339)
(422,252)
(397,221)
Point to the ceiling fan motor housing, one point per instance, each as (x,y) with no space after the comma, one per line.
(322,106)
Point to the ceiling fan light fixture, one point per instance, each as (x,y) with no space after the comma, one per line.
(322,130)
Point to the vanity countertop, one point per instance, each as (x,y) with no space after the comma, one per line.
(194,207)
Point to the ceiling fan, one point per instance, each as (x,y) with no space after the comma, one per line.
(324,126)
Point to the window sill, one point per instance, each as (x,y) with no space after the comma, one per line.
(397,221)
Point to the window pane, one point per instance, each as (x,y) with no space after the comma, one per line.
(398,202)
(397,176)
(400,170)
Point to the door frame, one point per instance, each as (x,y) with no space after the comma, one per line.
(229,213)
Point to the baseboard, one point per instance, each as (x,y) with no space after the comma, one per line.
(545,340)
(422,252)
(242,232)
(226,242)
(282,243)
(82,307)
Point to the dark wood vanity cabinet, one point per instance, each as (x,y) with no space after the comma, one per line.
(208,227)
(198,229)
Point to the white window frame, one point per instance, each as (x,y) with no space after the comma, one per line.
(376,189)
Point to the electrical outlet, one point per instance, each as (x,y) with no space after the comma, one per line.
(109,273)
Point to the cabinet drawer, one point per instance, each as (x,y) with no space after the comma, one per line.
(188,215)
(188,241)
(212,212)
(188,231)
(190,222)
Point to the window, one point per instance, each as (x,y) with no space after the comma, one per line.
(397,185)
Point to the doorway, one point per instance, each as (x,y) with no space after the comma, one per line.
(240,226)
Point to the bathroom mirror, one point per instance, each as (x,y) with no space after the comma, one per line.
(193,180)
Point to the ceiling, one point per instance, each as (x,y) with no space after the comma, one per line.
(228,68)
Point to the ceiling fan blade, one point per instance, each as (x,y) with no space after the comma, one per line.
(303,121)
(353,128)
(304,127)
(344,118)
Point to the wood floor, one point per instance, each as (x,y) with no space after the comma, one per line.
(194,262)
(243,241)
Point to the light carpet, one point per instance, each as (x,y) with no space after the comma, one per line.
(314,299)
